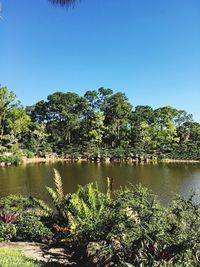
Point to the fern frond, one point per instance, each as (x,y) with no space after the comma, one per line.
(75,205)
(44,207)
(92,197)
(108,193)
(73,224)
(53,195)
(100,211)
(87,211)
(58,184)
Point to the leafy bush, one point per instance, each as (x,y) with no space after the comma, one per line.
(3,149)
(31,228)
(7,231)
(13,159)
(16,156)
(19,204)
(145,234)
(31,217)
(29,154)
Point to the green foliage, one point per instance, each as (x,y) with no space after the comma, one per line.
(13,118)
(142,233)
(82,211)
(31,228)
(93,128)
(58,184)
(12,159)
(29,154)
(129,228)
(7,231)
(105,122)
(22,205)
(100,124)
(85,210)
(57,195)
(32,216)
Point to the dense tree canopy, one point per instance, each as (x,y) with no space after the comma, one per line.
(99,123)
(13,119)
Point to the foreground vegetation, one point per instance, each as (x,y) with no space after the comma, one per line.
(15,258)
(126,228)
(101,124)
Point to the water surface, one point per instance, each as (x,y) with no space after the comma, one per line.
(164,180)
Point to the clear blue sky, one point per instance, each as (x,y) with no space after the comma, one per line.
(149,49)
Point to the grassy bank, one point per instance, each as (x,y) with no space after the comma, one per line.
(56,159)
(25,157)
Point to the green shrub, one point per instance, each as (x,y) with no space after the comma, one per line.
(3,149)
(142,233)
(23,205)
(31,228)
(16,156)
(13,159)
(32,216)
(29,154)
(7,231)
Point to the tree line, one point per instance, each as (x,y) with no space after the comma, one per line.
(101,122)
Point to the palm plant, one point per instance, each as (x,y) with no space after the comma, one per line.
(63,2)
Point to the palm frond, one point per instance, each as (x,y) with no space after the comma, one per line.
(63,2)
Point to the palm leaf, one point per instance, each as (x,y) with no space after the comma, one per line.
(63,2)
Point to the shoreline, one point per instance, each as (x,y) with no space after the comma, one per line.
(108,160)
(49,160)
(41,160)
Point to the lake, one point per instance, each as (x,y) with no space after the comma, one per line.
(164,180)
